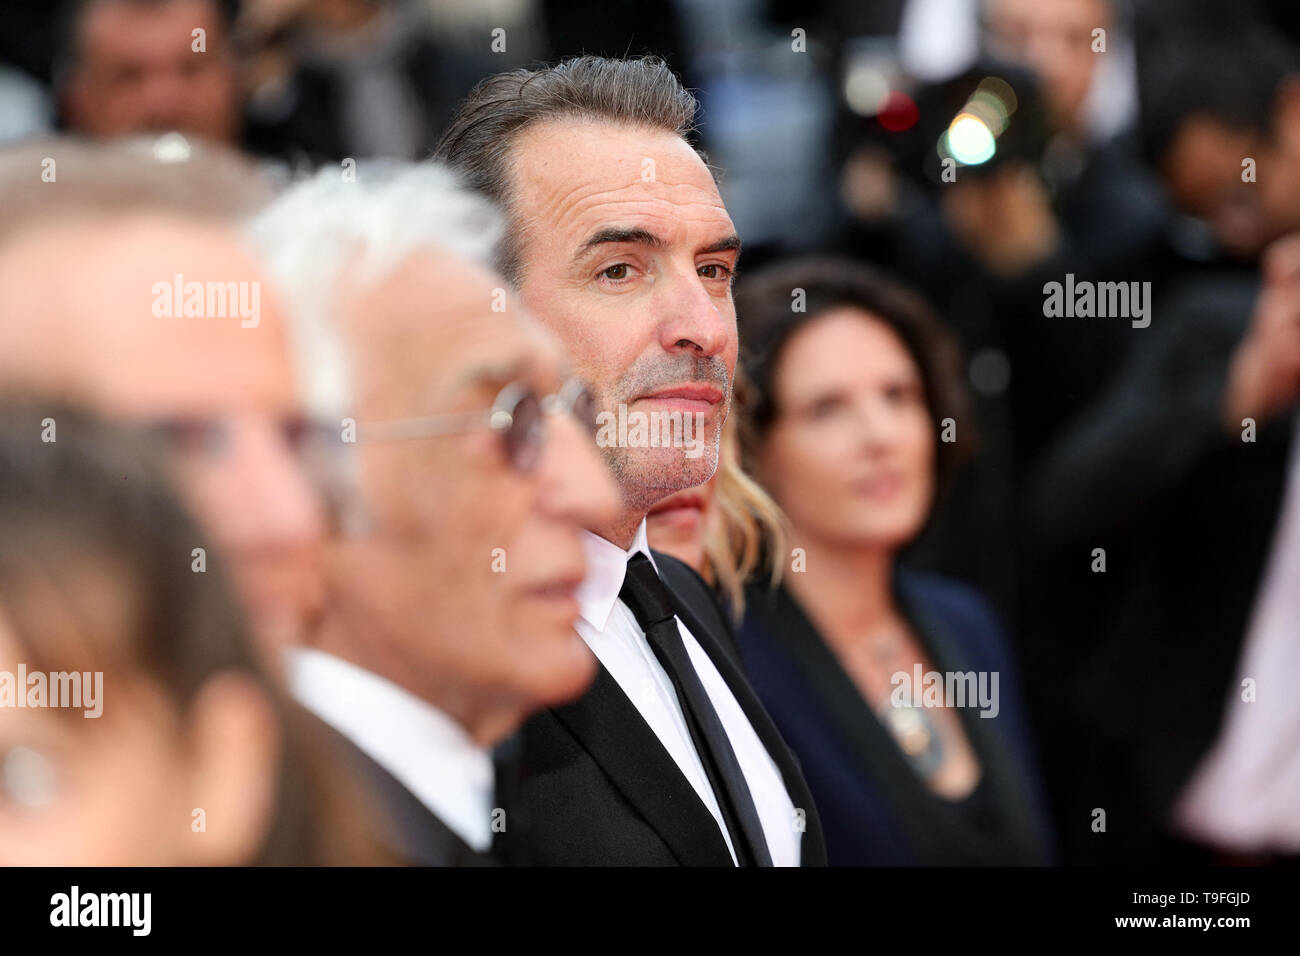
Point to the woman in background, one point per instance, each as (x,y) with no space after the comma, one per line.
(850,424)
(176,749)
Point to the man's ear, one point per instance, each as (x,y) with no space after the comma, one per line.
(71,100)
(1286,114)
(235,743)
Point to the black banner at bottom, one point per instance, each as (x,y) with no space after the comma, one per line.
(126,906)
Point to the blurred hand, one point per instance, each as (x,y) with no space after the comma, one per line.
(1264,376)
(1005,221)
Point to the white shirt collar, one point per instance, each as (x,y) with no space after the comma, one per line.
(426,750)
(606,567)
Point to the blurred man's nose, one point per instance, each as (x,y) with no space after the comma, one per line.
(163,98)
(267,501)
(576,484)
(694,319)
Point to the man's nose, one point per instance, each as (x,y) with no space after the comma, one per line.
(694,319)
(576,484)
(266,498)
(163,96)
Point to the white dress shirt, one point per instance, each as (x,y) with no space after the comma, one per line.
(1245,794)
(611,631)
(424,749)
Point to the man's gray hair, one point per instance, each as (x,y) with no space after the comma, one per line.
(325,227)
(641,91)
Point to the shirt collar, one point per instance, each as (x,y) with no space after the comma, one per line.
(427,751)
(606,567)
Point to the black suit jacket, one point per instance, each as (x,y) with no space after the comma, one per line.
(407,829)
(1186,511)
(597,788)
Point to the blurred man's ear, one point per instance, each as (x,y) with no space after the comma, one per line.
(72,102)
(235,744)
(1286,115)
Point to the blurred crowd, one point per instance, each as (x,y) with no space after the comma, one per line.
(301,448)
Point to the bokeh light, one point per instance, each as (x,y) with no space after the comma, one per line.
(969,140)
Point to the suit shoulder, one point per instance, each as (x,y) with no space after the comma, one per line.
(684,579)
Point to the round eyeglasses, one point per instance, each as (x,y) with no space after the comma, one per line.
(517,415)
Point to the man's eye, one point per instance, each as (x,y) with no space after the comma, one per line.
(297,432)
(194,436)
(616,272)
(715,270)
(824,408)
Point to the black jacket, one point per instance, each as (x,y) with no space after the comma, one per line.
(1186,511)
(407,829)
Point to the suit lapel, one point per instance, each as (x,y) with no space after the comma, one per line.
(610,728)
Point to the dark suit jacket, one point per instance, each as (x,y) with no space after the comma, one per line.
(875,809)
(1186,511)
(407,829)
(597,788)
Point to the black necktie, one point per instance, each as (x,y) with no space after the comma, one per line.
(649,600)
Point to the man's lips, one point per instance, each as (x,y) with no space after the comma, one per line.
(698,397)
(560,588)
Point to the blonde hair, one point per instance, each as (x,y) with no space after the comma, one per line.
(746,530)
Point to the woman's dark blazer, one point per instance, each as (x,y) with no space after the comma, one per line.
(874,809)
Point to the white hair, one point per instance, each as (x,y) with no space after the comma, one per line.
(365,226)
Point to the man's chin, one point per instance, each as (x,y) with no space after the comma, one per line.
(659,472)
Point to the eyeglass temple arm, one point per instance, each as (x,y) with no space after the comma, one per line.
(431,426)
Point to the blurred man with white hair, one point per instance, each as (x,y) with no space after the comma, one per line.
(467,473)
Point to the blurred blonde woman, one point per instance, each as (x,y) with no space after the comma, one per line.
(726,529)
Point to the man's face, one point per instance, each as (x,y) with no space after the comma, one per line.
(78,319)
(138,72)
(470,570)
(627,254)
(1203,168)
(1053,39)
